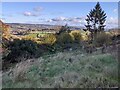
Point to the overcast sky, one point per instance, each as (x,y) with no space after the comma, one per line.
(56,13)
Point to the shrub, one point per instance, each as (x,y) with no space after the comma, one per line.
(77,37)
(29,37)
(102,38)
(26,49)
(64,39)
(21,48)
(4,42)
(49,39)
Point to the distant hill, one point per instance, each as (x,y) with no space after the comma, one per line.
(39,26)
(25,26)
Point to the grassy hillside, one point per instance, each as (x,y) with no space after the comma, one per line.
(64,69)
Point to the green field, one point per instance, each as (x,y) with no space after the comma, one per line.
(34,35)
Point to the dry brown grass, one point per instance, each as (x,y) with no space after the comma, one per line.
(20,70)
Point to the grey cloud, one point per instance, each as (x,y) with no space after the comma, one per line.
(69,20)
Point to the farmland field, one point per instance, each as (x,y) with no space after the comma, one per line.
(34,34)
